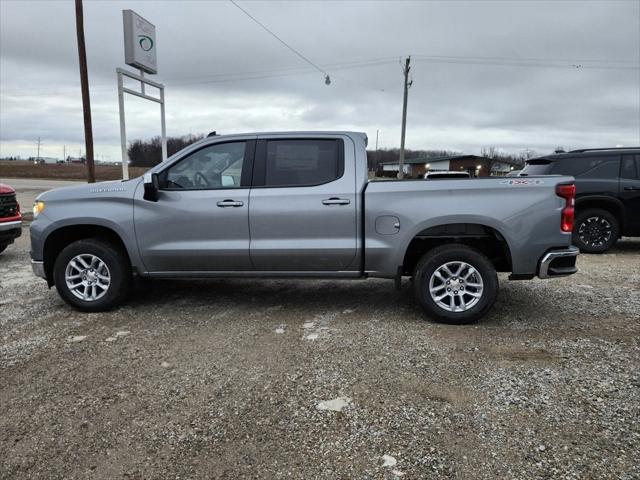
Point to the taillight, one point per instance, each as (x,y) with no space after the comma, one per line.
(568,192)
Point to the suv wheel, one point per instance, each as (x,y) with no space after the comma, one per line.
(92,275)
(455,284)
(596,231)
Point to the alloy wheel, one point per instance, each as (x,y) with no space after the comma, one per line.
(87,277)
(456,286)
(595,231)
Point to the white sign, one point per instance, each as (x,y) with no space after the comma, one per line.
(139,42)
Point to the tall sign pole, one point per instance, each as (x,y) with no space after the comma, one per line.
(84,84)
(123,130)
(140,51)
(407,84)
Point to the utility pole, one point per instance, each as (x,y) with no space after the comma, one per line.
(39,143)
(84,83)
(377,131)
(64,153)
(407,84)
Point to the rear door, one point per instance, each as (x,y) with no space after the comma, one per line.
(302,211)
(630,193)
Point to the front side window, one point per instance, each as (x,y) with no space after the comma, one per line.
(213,167)
(291,163)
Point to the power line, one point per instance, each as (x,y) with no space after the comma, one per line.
(533,59)
(577,64)
(227,77)
(224,77)
(264,27)
(350,65)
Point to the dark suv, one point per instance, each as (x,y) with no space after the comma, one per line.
(607,193)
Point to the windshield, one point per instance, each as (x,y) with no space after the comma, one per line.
(536,167)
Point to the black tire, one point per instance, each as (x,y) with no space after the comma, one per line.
(595,230)
(3,247)
(119,271)
(454,253)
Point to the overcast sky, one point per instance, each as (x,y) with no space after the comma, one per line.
(515,75)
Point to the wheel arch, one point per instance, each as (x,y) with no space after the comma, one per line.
(59,238)
(603,202)
(480,236)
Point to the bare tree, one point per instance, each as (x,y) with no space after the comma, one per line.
(492,155)
(147,153)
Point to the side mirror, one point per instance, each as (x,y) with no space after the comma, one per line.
(151,189)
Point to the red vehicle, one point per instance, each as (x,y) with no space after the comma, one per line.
(10,217)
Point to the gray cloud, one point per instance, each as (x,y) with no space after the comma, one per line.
(224,73)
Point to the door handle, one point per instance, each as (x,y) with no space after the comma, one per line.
(336,201)
(229,203)
(631,189)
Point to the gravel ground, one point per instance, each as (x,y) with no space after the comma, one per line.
(322,379)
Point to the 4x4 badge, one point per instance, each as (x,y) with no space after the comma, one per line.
(522,181)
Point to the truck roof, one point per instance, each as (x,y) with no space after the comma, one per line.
(297,133)
(586,152)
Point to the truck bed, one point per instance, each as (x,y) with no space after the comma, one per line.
(526,212)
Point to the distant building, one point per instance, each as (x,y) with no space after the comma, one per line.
(417,167)
(475,165)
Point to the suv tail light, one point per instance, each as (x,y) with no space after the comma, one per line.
(568,192)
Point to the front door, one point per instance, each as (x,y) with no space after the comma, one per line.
(630,193)
(200,222)
(302,211)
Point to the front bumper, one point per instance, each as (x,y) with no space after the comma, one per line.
(558,263)
(9,231)
(38,269)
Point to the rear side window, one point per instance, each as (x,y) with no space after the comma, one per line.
(605,167)
(291,163)
(536,167)
(629,167)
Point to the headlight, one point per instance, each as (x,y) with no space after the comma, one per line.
(38,207)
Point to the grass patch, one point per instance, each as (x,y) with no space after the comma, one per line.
(64,171)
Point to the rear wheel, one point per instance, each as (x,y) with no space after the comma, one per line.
(596,230)
(455,284)
(92,275)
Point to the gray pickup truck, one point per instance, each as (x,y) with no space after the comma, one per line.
(300,204)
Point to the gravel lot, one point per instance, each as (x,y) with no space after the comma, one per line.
(322,379)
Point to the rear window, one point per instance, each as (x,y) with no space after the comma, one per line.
(445,176)
(536,167)
(589,167)
(303,162)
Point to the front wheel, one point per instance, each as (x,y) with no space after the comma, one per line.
(3,247)
(455,284)
(92,275)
